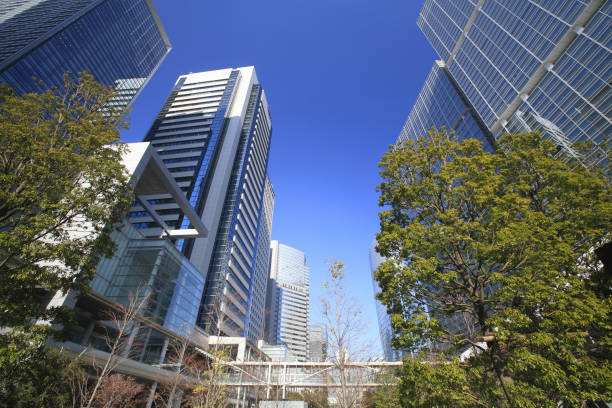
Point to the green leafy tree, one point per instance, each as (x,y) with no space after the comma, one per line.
(436,384)
(387,395)
(367,399)
(48,379)
(62,191)
(314,398)
(502,242)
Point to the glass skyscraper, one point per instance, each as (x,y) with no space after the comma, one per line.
(515,66)
(317,343)
(147,270)
(528,65)
(213,133)
(288,301)
(120,42)
(257,307)
(441,103)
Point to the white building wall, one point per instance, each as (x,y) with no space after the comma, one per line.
(198,134)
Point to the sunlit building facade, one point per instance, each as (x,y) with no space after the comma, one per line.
(145,271)
(213,133)
(288,305)
(151,278)
(530,65)
(120,42)
(318,343)
(257,307)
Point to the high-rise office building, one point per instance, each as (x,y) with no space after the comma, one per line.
(384,322)
(120,42)
(441,103)
(213,133)
(257,307)
(154,279)
(529,65)
(175,285)
(318,343)
(151,271)
(517,66)
(288,304)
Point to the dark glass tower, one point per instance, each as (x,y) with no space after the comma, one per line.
(120,42)
(441,103)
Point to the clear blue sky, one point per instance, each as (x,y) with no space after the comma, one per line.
(340,77)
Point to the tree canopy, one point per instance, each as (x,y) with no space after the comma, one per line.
(62,191)
(493,253)
(63,188)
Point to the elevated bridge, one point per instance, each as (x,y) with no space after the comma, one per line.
(283,375)
(248,380)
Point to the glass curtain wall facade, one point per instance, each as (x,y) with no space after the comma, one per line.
(516,66)
(288,315)
(213,134)
(318,343)
(120,42)
(440,103)
(257,307)
(235,278)
(149,276)
(530,65)
(384,321)
(174,285)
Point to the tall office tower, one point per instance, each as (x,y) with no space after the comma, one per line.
(441,103)
(120,42)
(288,304)
(384,322)
(213,133)
(318,343)
(529,65)
(257,307)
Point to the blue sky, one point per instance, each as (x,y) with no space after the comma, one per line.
(340,77)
